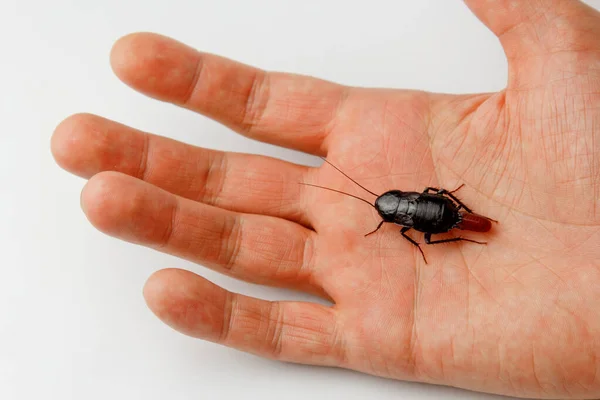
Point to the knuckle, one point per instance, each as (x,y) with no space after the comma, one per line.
(144,155)
(194,82)
(306,268)
(338,346)
(275,333)
(169,229)
(231,242)
(228,317)
(214,178)
(256,101)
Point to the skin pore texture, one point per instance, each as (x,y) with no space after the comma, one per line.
(517,317)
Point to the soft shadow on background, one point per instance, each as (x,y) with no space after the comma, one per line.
(74,323)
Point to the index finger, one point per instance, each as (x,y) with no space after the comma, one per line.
(282,109)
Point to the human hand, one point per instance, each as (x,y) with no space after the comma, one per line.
(517,317)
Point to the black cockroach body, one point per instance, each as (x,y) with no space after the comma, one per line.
(432,211)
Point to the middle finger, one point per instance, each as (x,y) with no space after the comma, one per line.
(87,144)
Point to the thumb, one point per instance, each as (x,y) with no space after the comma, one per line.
(533,30)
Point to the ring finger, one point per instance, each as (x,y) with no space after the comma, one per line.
(258,249)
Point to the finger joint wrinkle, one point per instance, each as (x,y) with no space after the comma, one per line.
(256,101)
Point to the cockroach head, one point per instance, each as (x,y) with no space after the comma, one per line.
(387,204)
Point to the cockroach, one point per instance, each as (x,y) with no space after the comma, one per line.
(432,211)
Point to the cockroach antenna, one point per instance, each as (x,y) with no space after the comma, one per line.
(343,173)
(337,191)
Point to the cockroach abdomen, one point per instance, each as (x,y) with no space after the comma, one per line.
(474,222)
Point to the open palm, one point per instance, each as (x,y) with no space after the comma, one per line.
(518,316)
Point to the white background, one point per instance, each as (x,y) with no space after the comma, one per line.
(73,323)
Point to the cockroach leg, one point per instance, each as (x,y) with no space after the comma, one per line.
(458,239)
(403,232)
(444,192)
(375,230)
